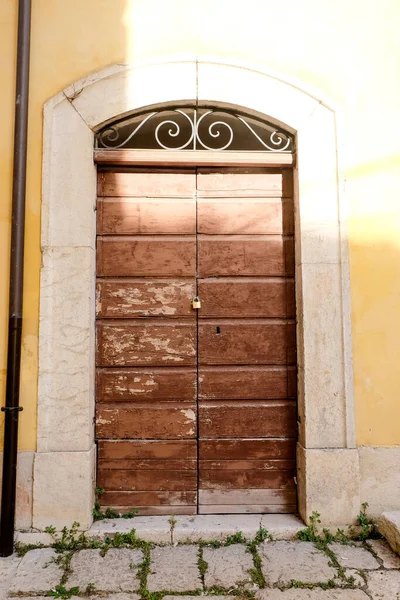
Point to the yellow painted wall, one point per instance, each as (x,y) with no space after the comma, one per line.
(349,50)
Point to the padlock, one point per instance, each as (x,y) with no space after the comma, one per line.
(196,302)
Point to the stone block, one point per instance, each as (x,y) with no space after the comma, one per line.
(283,562)
(66,350)
(174,569)
(8,567)
(389,526)
(315,594)
(63,489)
(282,527)
(33,537)
(114,572)
(23,508)
(380,479)
(37,572)
(328,482)
(389,559)
(384,585)
(150,529)
(227,566)
(354,557)
(214,527)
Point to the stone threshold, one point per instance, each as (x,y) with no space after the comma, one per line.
(184,529)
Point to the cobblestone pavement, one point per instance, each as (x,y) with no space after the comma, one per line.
(271,570)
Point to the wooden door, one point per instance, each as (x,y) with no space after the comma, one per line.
(246,341)
(163,236)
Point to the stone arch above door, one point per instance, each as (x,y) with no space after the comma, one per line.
(327,459)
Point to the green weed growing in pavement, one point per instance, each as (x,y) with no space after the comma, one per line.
(369,529)
(109,513)
(310,533)
(61,592)
(236,538)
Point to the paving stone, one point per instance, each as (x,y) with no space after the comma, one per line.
(115,572)
(214,527)
(33,537)
(354,557)
(384,585)
(174,569)
(8,567)
(390,559)
(282,527)
(191,597)
(300,561)
(37,572)
(315,594)
(227,566)
(358,579)
(150,529)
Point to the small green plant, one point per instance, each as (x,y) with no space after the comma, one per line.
(61,592)
(310,533)
(262,535)
(236,538)
(90,589)
(109,513)
(368,526)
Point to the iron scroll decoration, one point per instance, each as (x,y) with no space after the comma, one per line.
(194,128)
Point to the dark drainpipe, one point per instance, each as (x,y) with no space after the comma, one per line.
(12,408)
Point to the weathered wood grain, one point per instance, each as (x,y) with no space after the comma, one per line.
(246,341)
(226,480)
(247,449)
(165,421)
(124,299)
(147,480)
(147,449)
(245,216)
(131,256)
(247,383)
(246,297)
(247,419)
(215,509)
(147,498)
(150,183)
(135,343)
(250,496)
(245,182)
(146,385)
(245,255)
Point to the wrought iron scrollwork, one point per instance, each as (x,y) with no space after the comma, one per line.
(195,129)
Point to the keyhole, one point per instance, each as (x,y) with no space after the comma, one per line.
(217,329)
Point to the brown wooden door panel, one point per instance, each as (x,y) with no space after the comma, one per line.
(247,383)
(256,341)
(247,449)
(145,385)
(130,256)
(135,343)
(165,421)
(245,216)
(128,298)
(147,498)
(226,480)
(164,480)
(245,182)
(247,419)
(246,297)
(145,183)
(123,216)
(245,255)
(147,449)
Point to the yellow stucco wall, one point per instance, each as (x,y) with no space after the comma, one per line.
(350,51)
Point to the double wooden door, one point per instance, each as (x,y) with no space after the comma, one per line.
(196,408)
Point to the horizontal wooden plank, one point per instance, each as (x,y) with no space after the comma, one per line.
(215,509)
(245,216)
(226,480)
(135,343)
(245,182)
(245,255)
(147,498)
(132,256)
(152,511)
(148,464)
(246,297)
(247,449)
(146,422)
(122,216)
(160,183)
(251,496)
(191,158)
(246,341)
(247,419)
(146,480)
(122,298)
(145,385)
(247,465)
(247,383)
(147,449)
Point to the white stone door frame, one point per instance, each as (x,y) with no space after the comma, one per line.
(64,469)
